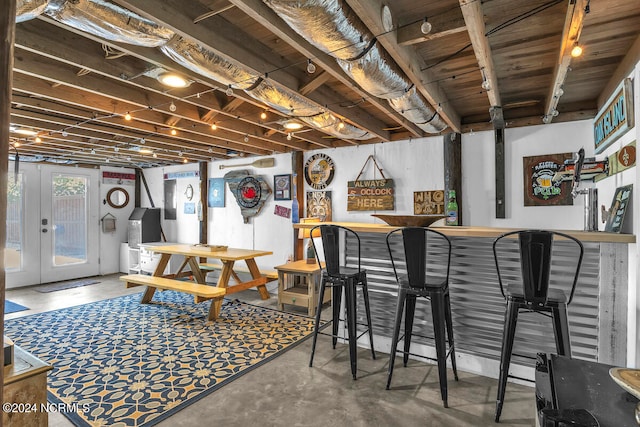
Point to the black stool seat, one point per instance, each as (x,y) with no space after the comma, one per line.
(409,248)
(534,293)
(343,280)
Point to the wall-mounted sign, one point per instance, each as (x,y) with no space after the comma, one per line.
(319,205)
(120,178)
(250,191)
(428,202)
(215,197)
(615,118)
(622,159)
(186,174)
(319,170)
(370,194)
(539,187)
(616,213)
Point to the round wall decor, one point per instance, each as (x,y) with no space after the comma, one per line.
(319,170)
(249,192)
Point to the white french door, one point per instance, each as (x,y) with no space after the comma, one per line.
(52,224)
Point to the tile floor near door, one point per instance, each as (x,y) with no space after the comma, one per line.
(286,392)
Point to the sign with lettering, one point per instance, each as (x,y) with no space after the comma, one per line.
(428,202)
(615,217)
(539,187)
(370,195)
(121,178)
(615,118)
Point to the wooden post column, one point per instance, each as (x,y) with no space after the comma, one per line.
(500,174)
(204,222)
(453,169)
(297,167)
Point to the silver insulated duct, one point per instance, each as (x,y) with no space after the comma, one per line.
(112,22)
(29,9)
(331,26)
(109,21)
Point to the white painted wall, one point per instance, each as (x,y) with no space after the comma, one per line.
(110,242)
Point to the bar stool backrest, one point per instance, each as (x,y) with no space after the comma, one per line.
(416,241)
(536,249)
(331,246)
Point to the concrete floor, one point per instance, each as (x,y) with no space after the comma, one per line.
(286,392)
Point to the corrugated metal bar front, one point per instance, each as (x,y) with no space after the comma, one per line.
(476,302)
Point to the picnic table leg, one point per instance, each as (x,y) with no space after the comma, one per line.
(223,282)
(255,273)
(213,312)
(195,270)
(148,295)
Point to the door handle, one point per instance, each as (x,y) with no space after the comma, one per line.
(44,230)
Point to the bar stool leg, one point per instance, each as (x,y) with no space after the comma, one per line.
(408,326)
(402,296)
(438,314)
(510,321)
(317,325)
(350,305)
(561,330)
(365,293)
(335,303)
(447,307)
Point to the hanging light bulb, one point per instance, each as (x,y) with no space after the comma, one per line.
(155,155)
(263,115)
(172,106)
(142,141)
(174,132)
(93,151)
(439,107)
(214,126)
(64,133)
(184,160)
(229,91)
(486,85)
(311,67)
(38,139)
(289,136)
(127,116)
(426,26)
(576,51)
(341,125)
(246,138)
(179,153)
(116,148)
(210,150)
(107,160)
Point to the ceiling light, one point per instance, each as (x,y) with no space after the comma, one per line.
(155,155)
(576,51)
(311,67)
(184,160)
(263,115)
(555,113)
(214,126)
(174,132)
(116,148)
(292,125)
(173,80)
(246,138)
(145,151)
(341,125)
(172,106)
(289,136)
(107,160)
(426,27)
(179,153)
(93,151)
(64,133)
(38,139)
(210,150)
(546,119)
(229,91)
(142,141)
(17,144)
(127,116)
(559,92)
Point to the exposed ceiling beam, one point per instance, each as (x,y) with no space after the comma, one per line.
(218,35)
(315,83)
(407,59)
(474,19)
(267,18)
(442,25)
(573,23)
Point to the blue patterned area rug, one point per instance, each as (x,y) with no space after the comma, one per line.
(119,362)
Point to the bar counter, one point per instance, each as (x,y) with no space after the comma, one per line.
(597,314)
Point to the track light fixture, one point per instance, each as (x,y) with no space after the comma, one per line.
(426,26)
(559,92)
(311,67)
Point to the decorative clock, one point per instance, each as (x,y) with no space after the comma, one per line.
(319,170)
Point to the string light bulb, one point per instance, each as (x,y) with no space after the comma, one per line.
(576,51)
(263,115)
(229,91)
(174,132)
(184,160)
(246,138)
(214,126)
(143,141)
(172,106)
(64,133)
(38,140)
(289,136)
(155,155)
(311,67)
(341,125)
(127,116)
(426,27)
(116,148)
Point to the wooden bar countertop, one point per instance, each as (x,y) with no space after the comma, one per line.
(477,231)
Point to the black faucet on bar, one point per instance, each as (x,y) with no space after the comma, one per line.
(591,196)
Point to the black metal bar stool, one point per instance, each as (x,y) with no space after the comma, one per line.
(340,277)
(413,251)
(533,293)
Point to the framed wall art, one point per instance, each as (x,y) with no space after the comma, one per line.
(539,187)
(282,185)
